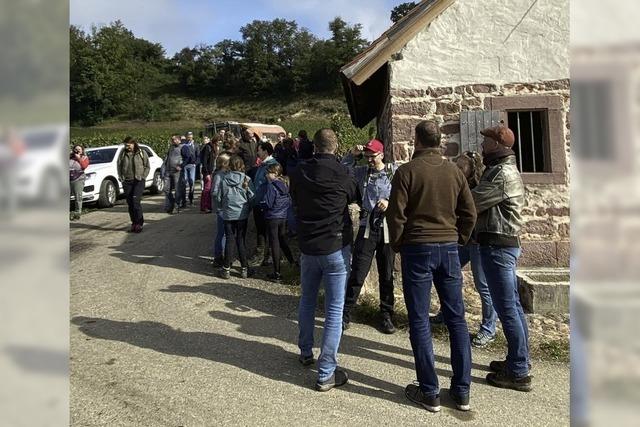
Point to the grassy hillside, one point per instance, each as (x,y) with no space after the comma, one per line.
(309,113)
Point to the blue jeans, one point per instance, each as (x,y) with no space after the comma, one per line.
(189,177)
(423,264)
(219,241)
(471,253)
(332,270)
(499,264)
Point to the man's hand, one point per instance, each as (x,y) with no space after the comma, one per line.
(382,204)
(357,150)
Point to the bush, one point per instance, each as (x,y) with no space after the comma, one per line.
(348,134)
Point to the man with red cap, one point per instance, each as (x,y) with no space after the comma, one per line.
(374,181)
(499,199)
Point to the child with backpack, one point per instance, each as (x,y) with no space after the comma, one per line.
(234,200)
(275,204)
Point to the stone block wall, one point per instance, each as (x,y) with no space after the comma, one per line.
(546,227)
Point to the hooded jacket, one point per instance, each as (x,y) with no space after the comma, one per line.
(233,199)
(260,181)
(321,189)
(276,200)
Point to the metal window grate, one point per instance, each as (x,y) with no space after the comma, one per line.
(529,128)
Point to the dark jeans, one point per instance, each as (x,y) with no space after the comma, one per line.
(363,252)
(235,232)
(133,190)
(277,232)
(261,226)
(499,264)
(423,264)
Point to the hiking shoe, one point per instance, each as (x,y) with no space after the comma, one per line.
(275,277)
(505,379)
(386,326)
(225,272)
(306,360)
(501,365)
(337,379)
(414,394)
(437,319)
(482,339)
(461,401)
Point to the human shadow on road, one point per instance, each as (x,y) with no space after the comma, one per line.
(267,360)
(245,298)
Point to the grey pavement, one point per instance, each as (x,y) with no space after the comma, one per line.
(158,340)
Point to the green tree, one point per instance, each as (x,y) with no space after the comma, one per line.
(398,12)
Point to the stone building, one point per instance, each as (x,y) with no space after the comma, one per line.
(469,64)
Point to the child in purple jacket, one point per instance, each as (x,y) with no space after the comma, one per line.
(276,203)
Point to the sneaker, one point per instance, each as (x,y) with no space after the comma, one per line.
(306,360)
(501,365)
(244,272)
(386,326)
(505,379)
(137,228)
(437,319)
(461,401)
(482,339)
(337,379)
(225,272)
(275,277)
(414,394)
(256,259)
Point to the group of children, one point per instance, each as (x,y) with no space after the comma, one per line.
(234,195)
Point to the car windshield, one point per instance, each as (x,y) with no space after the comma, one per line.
(103,155)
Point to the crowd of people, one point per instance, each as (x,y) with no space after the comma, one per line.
(437,214)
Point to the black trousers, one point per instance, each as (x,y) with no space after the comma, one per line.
(133,190)
(261,226)
(363,252)
(277,232)
(235,234)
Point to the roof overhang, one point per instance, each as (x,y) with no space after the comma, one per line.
(356,74)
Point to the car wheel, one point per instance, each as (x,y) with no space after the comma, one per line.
(108,194)
(158,183)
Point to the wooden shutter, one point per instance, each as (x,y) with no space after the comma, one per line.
(471,123)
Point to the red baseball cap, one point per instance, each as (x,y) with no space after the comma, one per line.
(375,145)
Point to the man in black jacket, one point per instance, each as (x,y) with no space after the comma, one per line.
(322,189)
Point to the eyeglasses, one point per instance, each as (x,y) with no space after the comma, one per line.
(372,156)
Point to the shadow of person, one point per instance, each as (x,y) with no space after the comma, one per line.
(267,360)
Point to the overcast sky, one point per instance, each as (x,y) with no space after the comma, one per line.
(180,23)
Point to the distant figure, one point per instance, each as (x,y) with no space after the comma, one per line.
(431,210)
(305,146)
(234,200)
(275,205)
(222,166)
(208,156)
(265,154)
(189,161)
(247,149)
(133,168)
(321,189)
(78,162)
(171,171)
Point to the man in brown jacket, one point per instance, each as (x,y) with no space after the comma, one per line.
(430,211)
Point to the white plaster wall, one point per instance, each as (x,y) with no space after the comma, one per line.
(465,44)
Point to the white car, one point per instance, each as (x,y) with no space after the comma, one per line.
(41,168)
(101,184)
